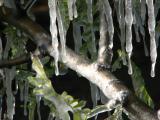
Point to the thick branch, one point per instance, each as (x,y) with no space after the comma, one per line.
(17,61)
(110,86)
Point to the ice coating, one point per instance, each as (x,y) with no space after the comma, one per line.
(143,11)
(77,37)
(103,39)
(53,29)
(108,14)
(26,96)
(90,19)
(72,9)
(121,20)
(38,99)
(129,22)
(10,74)
(62,32)
(151,28)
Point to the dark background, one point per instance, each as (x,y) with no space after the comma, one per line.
(78,86)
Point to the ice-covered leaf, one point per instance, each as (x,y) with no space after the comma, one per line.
(139,86)
(99,109)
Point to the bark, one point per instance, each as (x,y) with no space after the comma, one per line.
(106,81)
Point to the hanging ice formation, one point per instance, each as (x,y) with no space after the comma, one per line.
(108,15)
(1,101)
(77,37)
(103,39)
(129,21)
(93,50)
(72,9)
(121,20)
(138,24)
(151,28)
(143,11)
(26,96)
(62,32)
(53,29)
(38,99)
(1,48)
(10,74)
(106,27)
(157,8)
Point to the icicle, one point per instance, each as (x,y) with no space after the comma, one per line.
(1,48)
(53,30)
(108,14)
(140,27)
(143,11)
(21,88)
(62,32)
(95,95)
(1,2)
(10,74)
(90,19)
(129,21)
(1,101)
(151,27)
(157,7)
(72,9)
(77,37)
(103,40)
(75,9)
(38,99)
(50,117)
(121,20)
(25,96)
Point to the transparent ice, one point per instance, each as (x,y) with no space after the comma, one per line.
(53,29)
(129,22)
(151,28)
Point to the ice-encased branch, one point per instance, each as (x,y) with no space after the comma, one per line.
(103,79)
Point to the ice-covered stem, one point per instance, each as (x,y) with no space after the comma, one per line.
(101,78)
(129,22)
(102,51)
(151,28)
(53,29)
(72,9)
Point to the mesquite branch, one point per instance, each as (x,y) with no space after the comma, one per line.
(106,81)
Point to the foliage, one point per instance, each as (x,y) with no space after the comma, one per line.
(137,79)
(35,86)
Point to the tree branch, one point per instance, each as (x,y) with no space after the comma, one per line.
(108,83)
(16,61)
